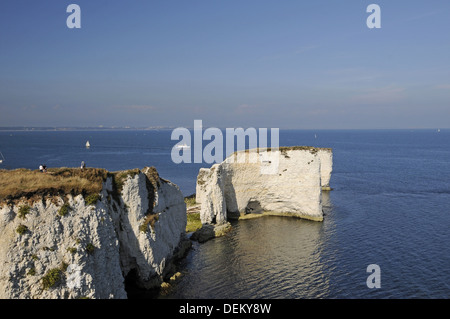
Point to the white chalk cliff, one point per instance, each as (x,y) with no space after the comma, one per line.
(288,181)
(88,252)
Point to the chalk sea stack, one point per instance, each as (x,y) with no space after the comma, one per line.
(286,181)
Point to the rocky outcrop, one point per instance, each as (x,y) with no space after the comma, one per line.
(287,181)
(326,167)
(210,231)
(72,246)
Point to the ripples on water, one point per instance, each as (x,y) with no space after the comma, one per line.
(255,257)
(279,257)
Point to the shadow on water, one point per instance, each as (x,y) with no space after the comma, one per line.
(267,257)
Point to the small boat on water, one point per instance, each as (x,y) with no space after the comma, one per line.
(2,158)
(88,144)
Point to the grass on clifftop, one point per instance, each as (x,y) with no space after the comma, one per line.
(23,183)
(193,222)
(190,201)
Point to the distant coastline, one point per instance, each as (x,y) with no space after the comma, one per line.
(160,128)
(88,128)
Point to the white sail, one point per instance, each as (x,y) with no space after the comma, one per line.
(88,144)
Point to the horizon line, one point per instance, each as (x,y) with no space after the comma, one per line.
(74,128)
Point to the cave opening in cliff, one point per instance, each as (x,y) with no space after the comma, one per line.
(253,207)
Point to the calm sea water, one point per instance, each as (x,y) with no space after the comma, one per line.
(390,206)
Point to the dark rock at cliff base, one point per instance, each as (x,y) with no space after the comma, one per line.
(209,231)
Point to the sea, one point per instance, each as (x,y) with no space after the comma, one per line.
(385,233)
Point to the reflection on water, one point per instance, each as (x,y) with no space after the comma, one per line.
(267,257)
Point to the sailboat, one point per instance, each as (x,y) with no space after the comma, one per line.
(2,158)
(88,144)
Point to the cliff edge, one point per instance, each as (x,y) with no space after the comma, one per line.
(72,233)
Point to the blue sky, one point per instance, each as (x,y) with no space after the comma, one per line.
(247,63)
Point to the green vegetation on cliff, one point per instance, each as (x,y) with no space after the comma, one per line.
(193,222)
(28,184)
(32,185)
